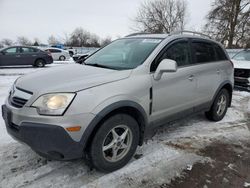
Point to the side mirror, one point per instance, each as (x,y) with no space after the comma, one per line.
(81,59)
(2,52)
(166,65)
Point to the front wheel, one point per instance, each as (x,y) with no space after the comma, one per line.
(219,107)
(114,143)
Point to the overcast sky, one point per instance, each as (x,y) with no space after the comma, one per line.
(41,18)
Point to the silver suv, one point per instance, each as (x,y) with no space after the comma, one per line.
(101,110)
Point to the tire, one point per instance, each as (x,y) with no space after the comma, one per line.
(62,58)
(39,63)
(104,144)
(221,101)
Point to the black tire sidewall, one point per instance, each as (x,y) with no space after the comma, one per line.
(96,154)
(214,114)
(62,58)
(41,61)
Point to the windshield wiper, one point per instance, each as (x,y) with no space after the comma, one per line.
(99,65)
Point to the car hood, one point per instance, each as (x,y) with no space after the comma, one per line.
(69,78)
(241,64)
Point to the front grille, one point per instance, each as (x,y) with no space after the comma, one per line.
(18,97)
(17,102)
(244,73)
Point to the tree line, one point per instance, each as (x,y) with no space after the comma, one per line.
(228,22)
(78,38)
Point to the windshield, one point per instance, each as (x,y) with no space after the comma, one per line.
(242,56)
(124,53)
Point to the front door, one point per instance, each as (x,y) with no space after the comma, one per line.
(10,56)
(27,56)
(174,92)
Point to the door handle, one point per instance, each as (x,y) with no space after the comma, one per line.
(34,55)
(18,56)
(191,78)
(218,71)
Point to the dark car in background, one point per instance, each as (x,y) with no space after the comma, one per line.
(23,55)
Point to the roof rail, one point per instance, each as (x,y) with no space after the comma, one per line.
(190,32)
(135,34)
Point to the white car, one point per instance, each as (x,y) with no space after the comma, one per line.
(241,62)
(58,54)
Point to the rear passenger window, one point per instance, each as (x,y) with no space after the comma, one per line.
(204,52)
(54,51)
(27,50)
(178,52)
(220,53)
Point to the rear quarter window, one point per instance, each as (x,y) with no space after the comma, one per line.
(220,54)
(203,52)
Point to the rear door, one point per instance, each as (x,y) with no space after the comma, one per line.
(55,53)
(10,56)
(208,70)
(174,92)
(27,55)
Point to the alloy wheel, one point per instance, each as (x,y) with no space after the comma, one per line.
(117,143)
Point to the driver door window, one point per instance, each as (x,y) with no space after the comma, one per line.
(179,52)
(11,51)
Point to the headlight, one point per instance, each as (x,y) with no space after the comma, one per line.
(53,104)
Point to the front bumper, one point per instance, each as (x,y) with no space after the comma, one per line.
(242,83)
(49,140)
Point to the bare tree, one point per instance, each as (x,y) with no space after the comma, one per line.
(94,40)
(6,42)
(229,22)
(161,16)
(106,41)
(52,40)
(23,41)
(79,37)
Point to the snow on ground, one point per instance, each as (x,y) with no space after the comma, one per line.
(157,160)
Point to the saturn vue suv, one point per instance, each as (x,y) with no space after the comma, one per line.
(102,109)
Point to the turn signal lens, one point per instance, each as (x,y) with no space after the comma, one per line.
(73,129)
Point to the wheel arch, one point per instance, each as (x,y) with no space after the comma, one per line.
(229,87)
(127,107)
(39,58)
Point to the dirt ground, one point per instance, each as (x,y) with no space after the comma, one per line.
(229,167)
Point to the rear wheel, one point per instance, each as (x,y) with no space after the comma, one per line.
(114,143)
(39,63)
(219,107)
(62,58)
